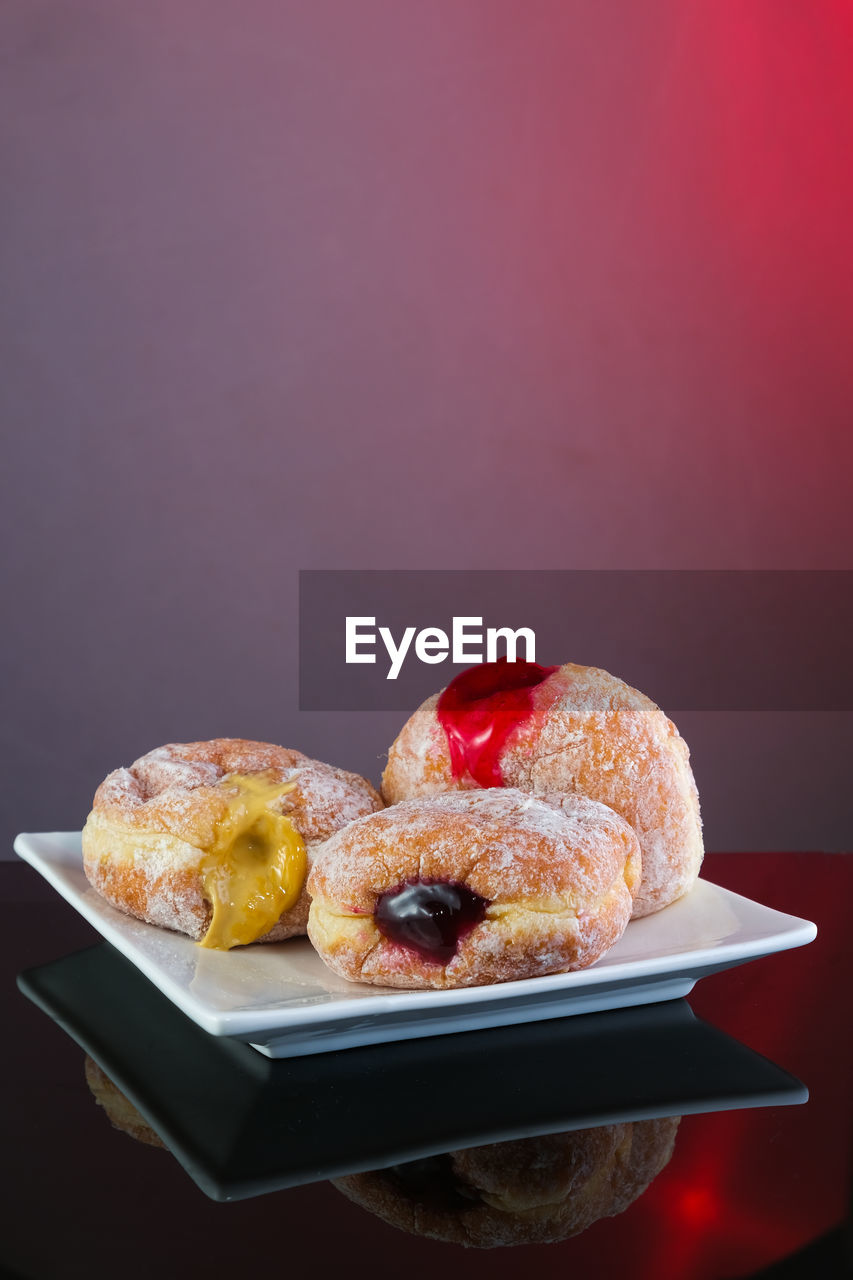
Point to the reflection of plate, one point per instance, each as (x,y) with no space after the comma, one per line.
(283,999)
(242,1124)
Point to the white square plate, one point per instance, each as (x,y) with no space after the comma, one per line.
(283,999)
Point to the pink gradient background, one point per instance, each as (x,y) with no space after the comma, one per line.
(383,285)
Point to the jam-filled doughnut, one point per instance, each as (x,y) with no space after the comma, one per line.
(215,839)
(561,729)
(473,887)
(530,1191)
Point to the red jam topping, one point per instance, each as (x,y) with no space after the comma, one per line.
(429,916)
(479,710)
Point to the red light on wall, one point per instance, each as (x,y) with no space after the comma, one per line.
(698,1206)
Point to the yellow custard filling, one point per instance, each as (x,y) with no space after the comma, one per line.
(256,866)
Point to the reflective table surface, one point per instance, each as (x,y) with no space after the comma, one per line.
(700,1138)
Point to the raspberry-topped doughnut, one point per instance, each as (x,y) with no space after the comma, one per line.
(561,729)
(214,839)
(473,887)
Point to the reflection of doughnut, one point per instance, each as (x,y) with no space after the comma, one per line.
(121,1112)
(560,729)
(213,838)
(533,1191)
(473,887)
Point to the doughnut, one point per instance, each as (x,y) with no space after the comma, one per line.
(473,887)
(531,1191)
(121,1112)
(561,729)
(214,839)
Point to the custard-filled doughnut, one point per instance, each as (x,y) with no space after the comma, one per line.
(473,887)
(120,1110)
(531,1191)
(214,839)
(561,729)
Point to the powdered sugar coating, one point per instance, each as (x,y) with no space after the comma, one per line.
(590,733)
(557,871)
(151,823)
(512,846)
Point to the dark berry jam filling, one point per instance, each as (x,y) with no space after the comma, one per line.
(429,917)
(479,710)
